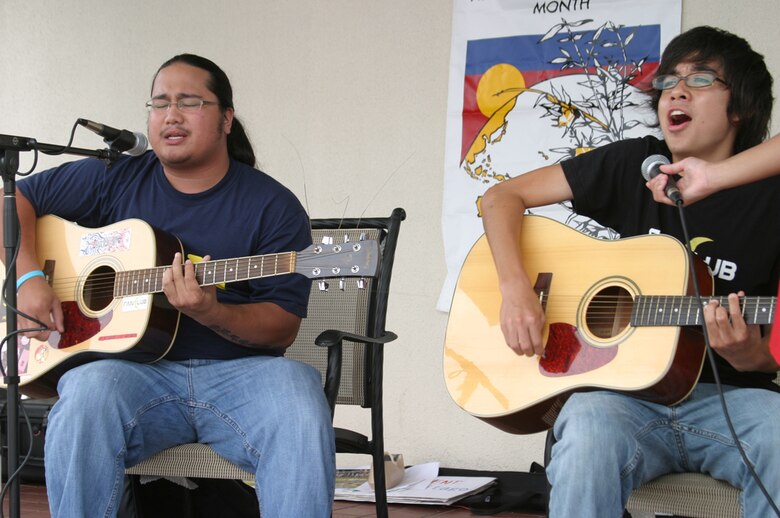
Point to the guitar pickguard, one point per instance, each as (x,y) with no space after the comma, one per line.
(567,354)
(78,327)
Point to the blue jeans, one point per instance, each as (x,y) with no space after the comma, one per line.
(609,444)
(266,414)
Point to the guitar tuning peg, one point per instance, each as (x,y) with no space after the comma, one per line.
(361,283)
(327,240)
(363,236)
(322,285)
(342,284)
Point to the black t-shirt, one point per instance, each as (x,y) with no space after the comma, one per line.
(736,231)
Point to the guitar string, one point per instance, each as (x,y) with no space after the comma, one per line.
(104,283)
(601,309)
(600,306)
(303,171)
(387,180)
(605,304)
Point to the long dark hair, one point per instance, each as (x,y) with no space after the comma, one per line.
(744,71)
(238,143)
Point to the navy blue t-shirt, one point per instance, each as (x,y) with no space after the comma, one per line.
(247,213)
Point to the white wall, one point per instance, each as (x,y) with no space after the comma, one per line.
(346,96)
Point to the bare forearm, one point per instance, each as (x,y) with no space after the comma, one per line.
(756,163)
(260,325)
(502,213)
(502,219)
(26,259)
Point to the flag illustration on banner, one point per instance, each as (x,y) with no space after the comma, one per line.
(606,63)
(527,100)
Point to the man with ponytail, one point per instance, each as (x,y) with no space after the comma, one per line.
(225,381)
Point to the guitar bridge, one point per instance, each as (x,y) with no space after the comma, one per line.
(542,288)
(48,270)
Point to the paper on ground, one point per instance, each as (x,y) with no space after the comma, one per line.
(420,485)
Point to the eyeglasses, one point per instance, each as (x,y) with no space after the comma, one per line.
(695,80)
(188,104)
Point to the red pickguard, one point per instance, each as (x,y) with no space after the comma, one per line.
(567,353)
(78,327)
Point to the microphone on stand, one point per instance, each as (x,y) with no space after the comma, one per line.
(651,168)
(132,143)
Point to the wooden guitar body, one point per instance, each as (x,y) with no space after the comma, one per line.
(109,281)
(588,288)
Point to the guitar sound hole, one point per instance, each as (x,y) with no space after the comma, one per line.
(99,288)
(609,312)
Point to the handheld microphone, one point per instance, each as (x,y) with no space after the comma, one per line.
(651,168)
(131,142)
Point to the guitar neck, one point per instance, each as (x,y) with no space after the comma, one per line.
(208,273)
(659,310)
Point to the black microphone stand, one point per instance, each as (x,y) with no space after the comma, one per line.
(10,146)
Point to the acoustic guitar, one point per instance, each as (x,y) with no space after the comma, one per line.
(109,281)
(612,322)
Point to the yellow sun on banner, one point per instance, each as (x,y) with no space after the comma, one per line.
(497,87)
(496,96)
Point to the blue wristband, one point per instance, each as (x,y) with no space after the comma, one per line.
(27,276)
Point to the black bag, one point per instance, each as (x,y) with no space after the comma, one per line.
(37,411)
(514,491)
(213,497)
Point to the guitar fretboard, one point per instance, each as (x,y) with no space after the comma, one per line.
(686,311)
(208,273)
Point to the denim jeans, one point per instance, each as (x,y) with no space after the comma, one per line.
(266,414)
(609,444)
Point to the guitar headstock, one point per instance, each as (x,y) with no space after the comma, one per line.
(350,259)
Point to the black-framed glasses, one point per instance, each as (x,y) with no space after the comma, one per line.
(188,104)
(695,80)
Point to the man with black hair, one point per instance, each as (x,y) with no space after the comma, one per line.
(713,98)
(225,381)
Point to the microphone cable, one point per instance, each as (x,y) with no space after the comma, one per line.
(6,285)
(711,359)
(28,455)
(53,152)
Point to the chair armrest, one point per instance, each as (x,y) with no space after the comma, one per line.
(333,337)
(349,441)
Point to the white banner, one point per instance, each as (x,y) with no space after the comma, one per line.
(533,83)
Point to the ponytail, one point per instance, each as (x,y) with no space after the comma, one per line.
(238,144)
